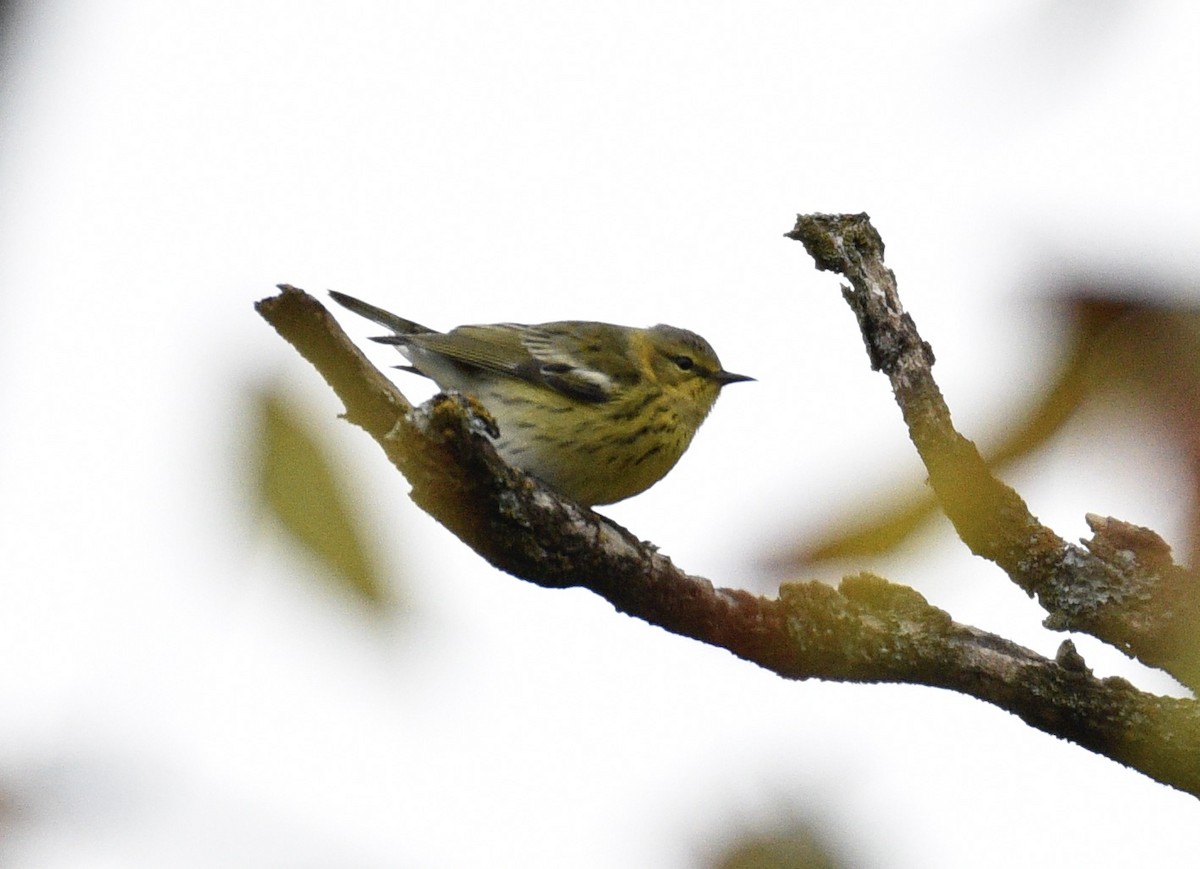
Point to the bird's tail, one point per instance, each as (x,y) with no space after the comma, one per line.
(384,318)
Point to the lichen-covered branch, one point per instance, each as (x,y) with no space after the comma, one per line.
(1120,587)
(868,630)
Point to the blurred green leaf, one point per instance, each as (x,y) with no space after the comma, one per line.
(301,486)
(801,847)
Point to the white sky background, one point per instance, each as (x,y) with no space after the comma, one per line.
(177,690)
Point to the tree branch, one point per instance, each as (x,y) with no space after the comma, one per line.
(868,630)
(1121,586)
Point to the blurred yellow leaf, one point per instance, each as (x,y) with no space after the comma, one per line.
(300,486)
(1139,355)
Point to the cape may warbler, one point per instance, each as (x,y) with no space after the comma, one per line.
(597,412)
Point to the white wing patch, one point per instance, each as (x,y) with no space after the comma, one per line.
(563,364)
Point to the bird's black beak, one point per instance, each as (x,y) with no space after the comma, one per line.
(726,377)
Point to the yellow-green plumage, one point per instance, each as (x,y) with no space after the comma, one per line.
(597,412)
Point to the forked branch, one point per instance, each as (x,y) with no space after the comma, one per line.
(867,630)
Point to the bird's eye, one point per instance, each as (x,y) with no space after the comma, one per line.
(685,363)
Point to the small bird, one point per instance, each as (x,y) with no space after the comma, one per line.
(597,412)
